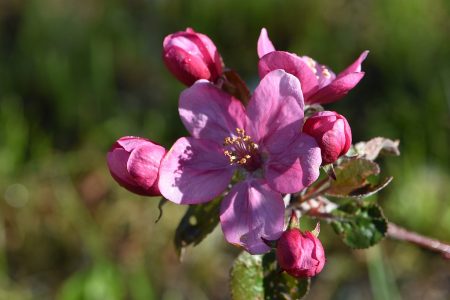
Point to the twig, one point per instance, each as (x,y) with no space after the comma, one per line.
(317,190)
(399,233)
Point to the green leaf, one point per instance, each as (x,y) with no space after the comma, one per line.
(281,286)
(379,145)
(370,189)
(257,277)
(359,225)
(352,175)
(246,280)
(198,221)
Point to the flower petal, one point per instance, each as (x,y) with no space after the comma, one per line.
(294,167)
(323,74)
(264,44)
(292,64)
(252,210)
(194,171)
(356,65)
(210,113)
(143,165)
(337,89)
(275,111)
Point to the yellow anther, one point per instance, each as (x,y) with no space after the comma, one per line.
(240,148)
(242,161)
(326,73)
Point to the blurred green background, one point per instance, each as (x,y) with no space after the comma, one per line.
(75,75)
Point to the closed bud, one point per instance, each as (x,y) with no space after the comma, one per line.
(134,164)
(331,132)
(191,56)
(299,253)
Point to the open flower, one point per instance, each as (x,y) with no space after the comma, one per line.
(319,84)
(263,143)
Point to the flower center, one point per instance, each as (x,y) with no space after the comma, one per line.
(241,151)
(323,74)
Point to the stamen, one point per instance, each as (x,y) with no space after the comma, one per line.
(241,150)
(311,64)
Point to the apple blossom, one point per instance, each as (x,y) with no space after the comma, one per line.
(319,84)
(261,143)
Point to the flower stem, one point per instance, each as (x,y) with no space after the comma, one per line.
(399,233)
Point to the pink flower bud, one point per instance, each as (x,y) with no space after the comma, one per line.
(300,254)
(191,56)
(332,134)
(134,164)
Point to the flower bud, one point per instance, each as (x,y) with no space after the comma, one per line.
(300,254)
(331,132)
(134,164)
(191,56)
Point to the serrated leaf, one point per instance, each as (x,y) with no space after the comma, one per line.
(379,145)
(198,221)
(360,226)
(352,175)
(235,86)
(246,277)
(257,277)
(281,286)
(370,189)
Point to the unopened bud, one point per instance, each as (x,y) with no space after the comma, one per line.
(299,253)
(134,163)
(191,56)
(331,132)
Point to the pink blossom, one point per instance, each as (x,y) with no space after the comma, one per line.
(300,254)
(260,144)
(332,132)
(319,83)
(134,163)
(190,56)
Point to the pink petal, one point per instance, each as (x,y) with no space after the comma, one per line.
(307,261)
(275,111)
(292,64)
(194,171)
(337,89)
(210,113)
(117,163)
(214,54)
(143,164)
(186,67)
(355,66)
(264,44)
(144,179)
(323,74)
(295,166)
(129,143)
(252,210)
